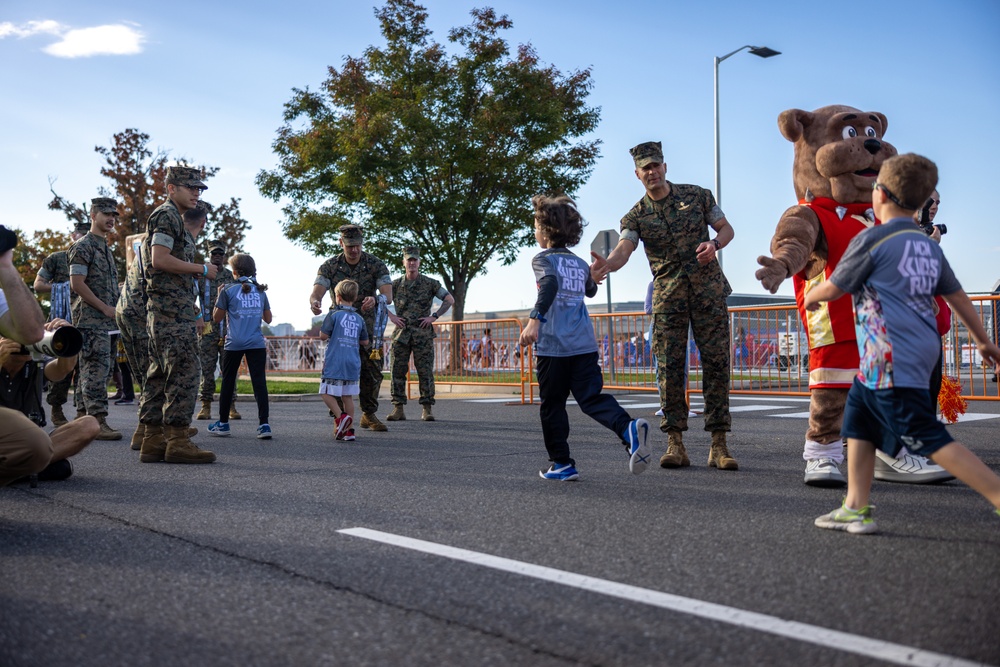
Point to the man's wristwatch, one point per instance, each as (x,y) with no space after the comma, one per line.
(718,246)
(435,315)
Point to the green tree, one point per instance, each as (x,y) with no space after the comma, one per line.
(439,150)
(137,177)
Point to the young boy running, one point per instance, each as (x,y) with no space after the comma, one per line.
(894,271)
(565,347)
(346,331)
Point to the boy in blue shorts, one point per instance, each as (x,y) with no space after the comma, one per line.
(346,332)
(894,271)
(565,346)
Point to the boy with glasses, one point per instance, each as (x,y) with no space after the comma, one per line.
(894,270)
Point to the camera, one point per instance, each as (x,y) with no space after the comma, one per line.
(8,239)
(924,220)
(63,342)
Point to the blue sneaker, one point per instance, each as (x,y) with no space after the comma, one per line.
(639,452)
(263,432)
(219,429)
(566,473)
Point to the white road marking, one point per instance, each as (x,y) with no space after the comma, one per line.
(975,417)
(811,634)
(794,415)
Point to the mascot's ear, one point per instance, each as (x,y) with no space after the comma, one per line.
(793,123)
(885,121)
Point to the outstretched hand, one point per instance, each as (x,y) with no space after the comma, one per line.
(772,274)
(599,268)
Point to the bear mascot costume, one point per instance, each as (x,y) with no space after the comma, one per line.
(838,153)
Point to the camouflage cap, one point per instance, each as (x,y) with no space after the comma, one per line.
(104,205)
(187,176)
(352,235)
(81,227)
(411,251)
(647,152)
(216,245)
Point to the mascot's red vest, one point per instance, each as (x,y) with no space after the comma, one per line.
(833,348)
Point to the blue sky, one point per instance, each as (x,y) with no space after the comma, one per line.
(208,81)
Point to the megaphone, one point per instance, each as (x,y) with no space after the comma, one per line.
(62,342)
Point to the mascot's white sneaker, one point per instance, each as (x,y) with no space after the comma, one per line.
(908,469)
(823,472)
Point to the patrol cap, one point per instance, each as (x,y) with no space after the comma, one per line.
(647,153)
(81,227)
(104,205)
(216,246)
(187,176)
(351,235)
(411,251)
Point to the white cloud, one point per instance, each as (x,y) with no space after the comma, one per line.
(31,28)
(115,40)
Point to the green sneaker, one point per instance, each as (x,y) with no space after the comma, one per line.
(853,521)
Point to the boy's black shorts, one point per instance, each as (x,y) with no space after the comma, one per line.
(894,418)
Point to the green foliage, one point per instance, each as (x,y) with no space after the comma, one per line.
(137,177)
(431,148)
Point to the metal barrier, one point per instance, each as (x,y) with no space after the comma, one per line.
(769,354)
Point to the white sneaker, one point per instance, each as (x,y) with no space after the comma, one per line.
(823,472)
(909,469)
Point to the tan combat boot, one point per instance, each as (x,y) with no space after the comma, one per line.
(107,433)
(397,414)
(206,410)
(370,420)
(57,416)
(676,455)
(427,415)
(154,445)
(192,431)
(80,412)
(180,449)
(232,412)
(137,437)
(719,456)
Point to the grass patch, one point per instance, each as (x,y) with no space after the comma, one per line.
(274,387)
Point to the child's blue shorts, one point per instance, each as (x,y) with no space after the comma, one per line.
(894,418)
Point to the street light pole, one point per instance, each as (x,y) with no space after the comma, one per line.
(760,51)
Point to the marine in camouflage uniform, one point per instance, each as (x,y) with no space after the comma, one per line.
(210,341)
(372,277)
(53,278)
(94,277)
(171,387)
(672,221)
(414,294)
(130,314)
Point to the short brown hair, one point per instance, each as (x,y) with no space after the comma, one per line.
(910,178)
(558,219)
(347,290)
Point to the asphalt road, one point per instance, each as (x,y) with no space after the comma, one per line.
(458,554)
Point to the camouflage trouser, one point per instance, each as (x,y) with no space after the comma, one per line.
(370,382)
(171,387)
(710,324)
(423,360)
(135,340)
(209,345)
(95,369)
(59,391)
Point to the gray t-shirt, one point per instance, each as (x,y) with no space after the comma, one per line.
(894,270)
(567,330)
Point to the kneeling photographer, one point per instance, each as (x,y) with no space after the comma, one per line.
(25,448)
